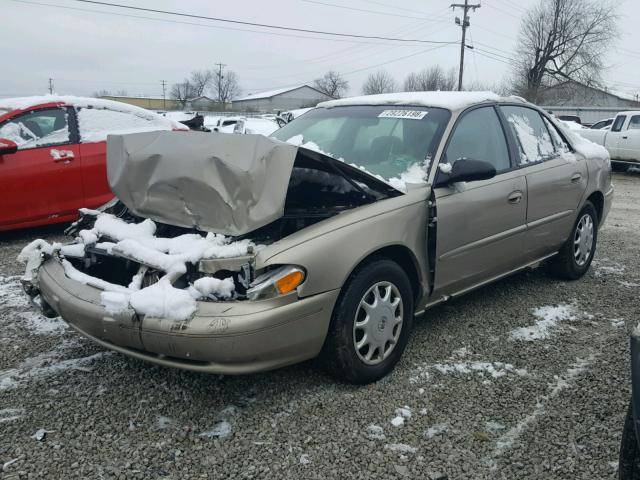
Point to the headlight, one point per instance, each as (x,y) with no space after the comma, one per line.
(273,283)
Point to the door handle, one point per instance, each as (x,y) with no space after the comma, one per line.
(515,197)
(625,137)
(576,177)
(62,155)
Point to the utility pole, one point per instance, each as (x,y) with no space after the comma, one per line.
(50,86)
(219,84)
(164,96)
(464,24)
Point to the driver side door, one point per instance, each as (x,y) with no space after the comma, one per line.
(42,182)
(480,225)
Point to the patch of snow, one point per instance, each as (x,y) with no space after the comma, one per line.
(11,414)
(162,422)
(42,366)
(435,430)
(507,440)
(626,284)
(494,426)
(221,429)
(41,434)
(445,167)
(11,294)
(449,100)
(397,421)
(304,459)
(549,317)
(400,448)
(41,325)
(375,432)
(617,322)
(494,369)
(138,241)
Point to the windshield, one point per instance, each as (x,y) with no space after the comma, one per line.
(385,140)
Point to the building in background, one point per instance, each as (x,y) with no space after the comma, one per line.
(202,103)
(589,103)
(151,103)
(282,99)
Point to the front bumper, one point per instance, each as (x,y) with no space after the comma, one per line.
(223,337)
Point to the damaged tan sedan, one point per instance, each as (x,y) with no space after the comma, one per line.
(241,253)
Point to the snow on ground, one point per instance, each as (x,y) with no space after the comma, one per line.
(402,413)
(435,430)
(11,414)
(139,242)
(493,369)
(304,459)
(46,365)
(400,448)
(375,432)
(548,318)
(509,438)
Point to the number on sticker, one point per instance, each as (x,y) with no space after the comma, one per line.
(411,114)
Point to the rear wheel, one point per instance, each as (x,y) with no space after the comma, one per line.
(575,257)
(629,463)
(370,324)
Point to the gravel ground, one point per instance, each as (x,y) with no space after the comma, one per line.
(470,399)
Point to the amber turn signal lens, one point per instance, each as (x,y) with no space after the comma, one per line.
(289,282)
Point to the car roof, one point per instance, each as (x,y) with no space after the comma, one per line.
(450,100)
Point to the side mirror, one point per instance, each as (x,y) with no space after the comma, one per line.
(466,170)
(7,146)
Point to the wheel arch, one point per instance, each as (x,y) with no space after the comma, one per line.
(597,198)
(404,257)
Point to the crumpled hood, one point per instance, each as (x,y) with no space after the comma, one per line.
(230,184)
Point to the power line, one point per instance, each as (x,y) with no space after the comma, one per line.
(365,10)
(262,25)
(217,27)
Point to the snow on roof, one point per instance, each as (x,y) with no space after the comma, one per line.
(449,100)
(269,93)
(21,103)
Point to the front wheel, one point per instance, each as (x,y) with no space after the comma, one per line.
(575,257)
(370,324)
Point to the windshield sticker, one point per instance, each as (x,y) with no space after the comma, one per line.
(413,114)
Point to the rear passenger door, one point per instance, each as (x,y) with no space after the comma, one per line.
(556,179)
(480,225)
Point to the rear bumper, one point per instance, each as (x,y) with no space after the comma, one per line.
(222,337)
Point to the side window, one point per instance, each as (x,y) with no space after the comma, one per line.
(38,128)
(479,136)
(617,124)
(96,123)
(534,140)
(634,122)
(559,143)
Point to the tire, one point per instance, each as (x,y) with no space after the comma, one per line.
(564,264)
(619,167)
(340,353)
(629,463)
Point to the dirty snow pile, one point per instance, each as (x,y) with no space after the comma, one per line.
(548,318)
(415,173)
(138,241)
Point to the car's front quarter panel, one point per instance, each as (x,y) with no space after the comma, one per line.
(330,250)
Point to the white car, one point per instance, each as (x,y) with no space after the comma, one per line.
(622,140)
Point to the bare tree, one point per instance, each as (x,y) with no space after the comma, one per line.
(182,92)
(332,84)
(431,79)
(379,82)
(200,81)
(562,41)
(101,93)
(226,86)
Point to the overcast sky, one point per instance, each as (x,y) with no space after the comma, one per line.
(84,49)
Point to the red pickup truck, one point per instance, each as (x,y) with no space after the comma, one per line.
(53,155)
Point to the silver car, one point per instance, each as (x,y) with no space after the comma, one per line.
(241,253)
